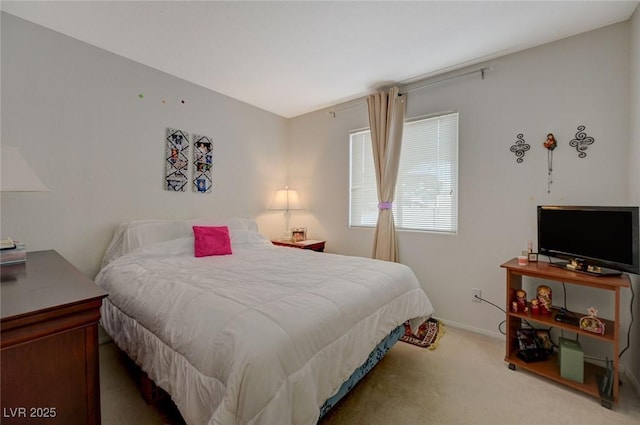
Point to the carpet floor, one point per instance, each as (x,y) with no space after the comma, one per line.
(463,381)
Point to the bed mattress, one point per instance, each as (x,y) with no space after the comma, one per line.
(263,336)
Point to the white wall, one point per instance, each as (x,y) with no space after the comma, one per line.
(582,80)
(74,112)
(633,355)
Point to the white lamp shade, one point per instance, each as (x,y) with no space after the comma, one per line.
(286,199)
(16,175)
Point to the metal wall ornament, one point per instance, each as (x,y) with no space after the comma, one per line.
(520,148)
(550,143)
(581,142)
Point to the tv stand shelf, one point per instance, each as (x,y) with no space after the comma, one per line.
(550,367)
(550,320)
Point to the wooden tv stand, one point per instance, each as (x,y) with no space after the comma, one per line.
(550,367)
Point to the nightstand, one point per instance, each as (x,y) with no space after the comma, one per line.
(311,244)
(49,343)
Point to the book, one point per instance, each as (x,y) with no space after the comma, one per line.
(13,255)
(307,242)
(607,383)
(7,244)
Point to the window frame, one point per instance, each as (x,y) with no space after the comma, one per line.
(456,180)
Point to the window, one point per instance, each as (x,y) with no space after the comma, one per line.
(427,188)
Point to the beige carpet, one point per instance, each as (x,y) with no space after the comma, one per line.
(463,381)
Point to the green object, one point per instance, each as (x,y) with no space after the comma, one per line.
(571,359)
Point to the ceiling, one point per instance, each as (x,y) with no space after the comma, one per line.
(291,58)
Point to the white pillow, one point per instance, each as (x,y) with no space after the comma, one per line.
(241,238)
(141,233)
(234,223)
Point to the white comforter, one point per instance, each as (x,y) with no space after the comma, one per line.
(262,336)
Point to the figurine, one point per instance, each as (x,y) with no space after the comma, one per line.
(521,300)
(514,306)
(544,299)
(591,323)
(535,307)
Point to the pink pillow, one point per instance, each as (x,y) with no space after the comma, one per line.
(211,240)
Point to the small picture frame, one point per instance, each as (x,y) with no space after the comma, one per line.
(298,234)
(544,340)
(533,257)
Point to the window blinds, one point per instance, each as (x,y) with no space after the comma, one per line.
(427,188)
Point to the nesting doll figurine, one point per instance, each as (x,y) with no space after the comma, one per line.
(544,299)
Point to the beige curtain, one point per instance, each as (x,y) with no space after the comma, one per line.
(386,119)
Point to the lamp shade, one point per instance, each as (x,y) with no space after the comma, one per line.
(16,175)
(286,199)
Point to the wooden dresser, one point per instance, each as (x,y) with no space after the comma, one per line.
(49,343)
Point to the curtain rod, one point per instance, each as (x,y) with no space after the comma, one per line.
(409,88)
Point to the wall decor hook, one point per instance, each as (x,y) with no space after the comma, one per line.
(550,144)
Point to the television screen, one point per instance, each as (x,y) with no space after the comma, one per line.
(591,236)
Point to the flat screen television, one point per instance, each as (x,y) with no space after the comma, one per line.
(600,240)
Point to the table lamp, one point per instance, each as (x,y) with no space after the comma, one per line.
(286,200)
(17,176)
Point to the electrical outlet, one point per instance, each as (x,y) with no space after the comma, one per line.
(476,294)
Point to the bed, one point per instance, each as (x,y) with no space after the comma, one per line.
(265,335)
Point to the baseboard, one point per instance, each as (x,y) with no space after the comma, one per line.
(103,336)
(632,380)
(464,327)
